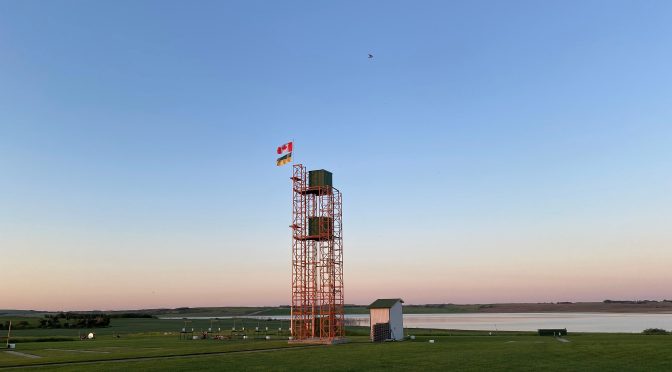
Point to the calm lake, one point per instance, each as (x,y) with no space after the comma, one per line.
(574,322)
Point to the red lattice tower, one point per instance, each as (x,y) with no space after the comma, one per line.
(317,262)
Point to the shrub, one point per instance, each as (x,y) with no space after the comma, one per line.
(654,331)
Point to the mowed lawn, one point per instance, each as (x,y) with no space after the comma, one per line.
(155,350)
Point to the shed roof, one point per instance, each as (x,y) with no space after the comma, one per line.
(385,303)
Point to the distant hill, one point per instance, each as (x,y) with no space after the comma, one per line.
(22,313)
(581,307)
(609,306)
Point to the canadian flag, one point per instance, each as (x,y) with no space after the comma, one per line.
(287,147)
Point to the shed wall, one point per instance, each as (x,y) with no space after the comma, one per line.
(378,316)
(397,322)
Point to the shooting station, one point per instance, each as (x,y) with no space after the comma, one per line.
(387,320)
(187,332)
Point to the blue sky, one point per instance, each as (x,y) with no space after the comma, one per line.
(137,139)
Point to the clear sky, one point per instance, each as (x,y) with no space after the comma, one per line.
(491,151)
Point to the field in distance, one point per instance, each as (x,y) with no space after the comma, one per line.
(612,306)
(155,344)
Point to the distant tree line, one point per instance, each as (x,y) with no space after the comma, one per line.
(75,320)
(655,331)
(16,325)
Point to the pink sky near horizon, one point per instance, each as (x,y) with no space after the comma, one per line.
(142,297)
(131,279)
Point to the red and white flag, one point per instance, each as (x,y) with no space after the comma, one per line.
(287,147)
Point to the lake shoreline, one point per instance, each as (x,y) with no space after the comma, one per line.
(575,307)
(514,322)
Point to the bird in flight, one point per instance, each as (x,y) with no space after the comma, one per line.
(370,56)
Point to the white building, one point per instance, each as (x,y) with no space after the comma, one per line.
(384,312)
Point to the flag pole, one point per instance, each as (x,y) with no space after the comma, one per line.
(291,243)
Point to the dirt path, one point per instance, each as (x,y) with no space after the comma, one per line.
(143,358)
(18,353)
(254,313)
(80,351)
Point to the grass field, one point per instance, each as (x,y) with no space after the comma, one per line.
(153,344)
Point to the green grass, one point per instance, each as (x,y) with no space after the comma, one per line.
(462,350)
(526,353)
(106,348)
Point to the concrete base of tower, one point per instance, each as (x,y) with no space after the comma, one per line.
(320,341)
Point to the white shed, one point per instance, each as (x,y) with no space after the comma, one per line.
(386,319)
